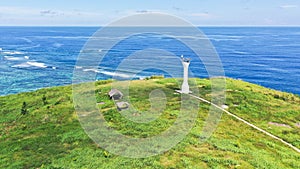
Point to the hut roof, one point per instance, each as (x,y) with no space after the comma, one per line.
(113,92)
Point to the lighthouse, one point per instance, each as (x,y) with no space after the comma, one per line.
(185,85)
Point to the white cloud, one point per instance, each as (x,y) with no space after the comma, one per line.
(35,16)
(50,13)
(269,21)
(125,13)
(17,10)
(288,6)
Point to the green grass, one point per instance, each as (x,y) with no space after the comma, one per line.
(49,134)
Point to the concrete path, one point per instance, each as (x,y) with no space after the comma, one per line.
(249,124)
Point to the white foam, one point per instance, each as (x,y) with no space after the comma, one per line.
(22,65)
(61,37)
(274,69)
(1,49)
(26,40)
(11,58)
(114,74)
(92,51)
(13,53)
(57,45)
(30,64)
(37,64)
(78,67)
(192,37)
(91,70)
(226,36)
(26,57)
(228,39)
(240,52)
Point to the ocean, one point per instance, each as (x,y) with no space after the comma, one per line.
(38,57)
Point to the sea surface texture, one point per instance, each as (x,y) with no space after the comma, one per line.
(37,57)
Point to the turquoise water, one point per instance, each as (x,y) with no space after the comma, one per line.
(37,57)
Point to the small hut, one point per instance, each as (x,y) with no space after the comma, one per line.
(115,94)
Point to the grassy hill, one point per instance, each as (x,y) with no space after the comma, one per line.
(41,129)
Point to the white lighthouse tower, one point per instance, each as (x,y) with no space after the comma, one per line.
(185,85)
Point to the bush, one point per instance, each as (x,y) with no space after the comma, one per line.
(24,110)
(44,99)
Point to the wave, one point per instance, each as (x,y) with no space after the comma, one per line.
(30,64)
(91,70)
(26,40)
(60,37)
(258,65)
(286,45)
(219,40)
(271,59)
(57,45)
(37,64)
(93,50)
(199,37)
(13,53)
(11,58)
(227,36)
(114,74)
(29,47)
(78,67)
(109,73)
(22,65)
(279,70)
(240,52)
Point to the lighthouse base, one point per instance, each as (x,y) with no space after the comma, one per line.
(185,88)
(180,91)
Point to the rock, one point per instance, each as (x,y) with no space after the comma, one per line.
(224,106)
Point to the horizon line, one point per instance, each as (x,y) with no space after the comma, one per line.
(149,26)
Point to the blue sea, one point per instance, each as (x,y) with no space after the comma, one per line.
(38,57)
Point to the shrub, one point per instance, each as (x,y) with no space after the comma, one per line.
(24,110)
(44,99)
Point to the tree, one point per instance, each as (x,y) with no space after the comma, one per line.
(44,99)
(24,110)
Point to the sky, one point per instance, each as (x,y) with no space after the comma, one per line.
(197,12)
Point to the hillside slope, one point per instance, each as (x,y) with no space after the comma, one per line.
(41,129)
